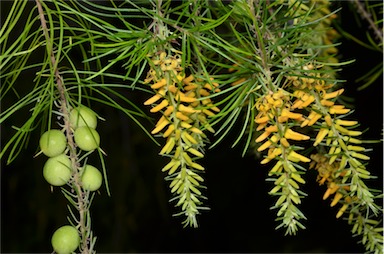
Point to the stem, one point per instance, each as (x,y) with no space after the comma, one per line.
(81,196)
(367,16)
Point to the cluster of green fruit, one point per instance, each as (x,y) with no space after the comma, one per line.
(58,168)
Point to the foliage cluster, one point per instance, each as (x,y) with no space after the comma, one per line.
(270,66)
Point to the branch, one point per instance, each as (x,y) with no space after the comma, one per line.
(367,16)
(81,196)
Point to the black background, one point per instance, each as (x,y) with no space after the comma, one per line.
(138,217)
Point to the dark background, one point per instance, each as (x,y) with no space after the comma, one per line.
(138,217)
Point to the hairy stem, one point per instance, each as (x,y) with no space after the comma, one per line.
(367,16)
(81,195)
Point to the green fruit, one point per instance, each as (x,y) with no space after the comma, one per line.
(87,139)
(53,143)
(82,116)
(57,170)
(91,178)
(65,240)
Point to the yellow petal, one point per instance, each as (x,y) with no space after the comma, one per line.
(333,94)
(159,107)
(159,84)
(290,134)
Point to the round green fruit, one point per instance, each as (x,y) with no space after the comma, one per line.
(82,116)
(91,178)
(65,240)
(57,170)
(53,143)
(87,139)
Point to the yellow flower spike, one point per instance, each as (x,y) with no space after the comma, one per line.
(160,127)
(181,116)
(169,131)
(328,120)
(359,156)
(336,198)
(341,211)
(346,122)
(290,134)
(263,136)
(159,107)
(338,109)
(333,94)
(295,157)
(159,84)
(320,136)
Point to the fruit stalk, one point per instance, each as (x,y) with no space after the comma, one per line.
(81,196)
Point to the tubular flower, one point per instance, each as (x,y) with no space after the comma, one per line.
(275,120)
(343,183)
(185,113)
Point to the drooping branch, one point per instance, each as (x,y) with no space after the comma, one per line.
(81,195)
(368,17)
